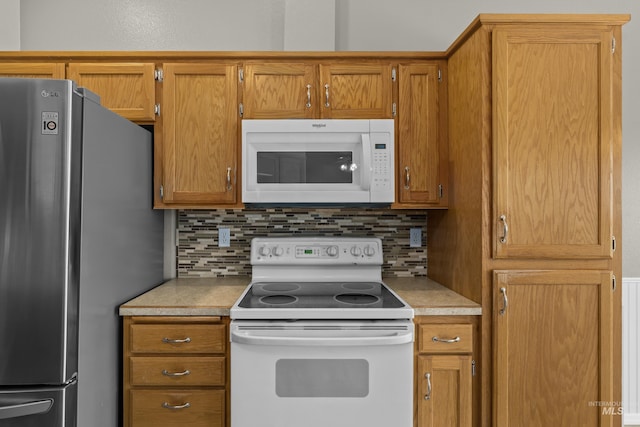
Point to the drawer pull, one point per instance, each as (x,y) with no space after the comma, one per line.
(446,341)
(175,374)
(170,406)
(179,341)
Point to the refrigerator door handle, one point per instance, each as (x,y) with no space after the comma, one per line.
(28,408)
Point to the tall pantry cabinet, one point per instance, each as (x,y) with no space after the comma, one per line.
(534,212)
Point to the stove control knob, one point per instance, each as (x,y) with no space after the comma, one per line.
(277,251)
(369,250)
(264,251)
(356,251)
(332,251)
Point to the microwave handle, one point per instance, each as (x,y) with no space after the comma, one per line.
(366,160)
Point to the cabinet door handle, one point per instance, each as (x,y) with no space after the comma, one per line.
(446,340)
(505,229)
(505,301)
(308,105)
(407,177)
(170,406)
(229,187)
(176,374)
(176,341)
(326,95)
(428,395)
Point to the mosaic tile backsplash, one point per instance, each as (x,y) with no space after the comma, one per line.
(199,255)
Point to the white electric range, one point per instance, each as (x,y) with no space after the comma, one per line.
(318,339)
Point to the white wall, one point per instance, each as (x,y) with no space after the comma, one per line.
(10,25)
(316,25)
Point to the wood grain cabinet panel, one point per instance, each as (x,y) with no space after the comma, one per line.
(444,391)
(444,372)
(178,408)
(422,179)
(127,89)
(553,345)
(280,90)
(290,90)
(445,338)
(356,91)
(175,371)
(39,70)
(199,145)
(535,148)
(553,95)
(178,371)
(178,338)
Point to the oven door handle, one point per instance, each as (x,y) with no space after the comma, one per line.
(262,338)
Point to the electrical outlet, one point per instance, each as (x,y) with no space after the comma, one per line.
(224,237)
(415,237)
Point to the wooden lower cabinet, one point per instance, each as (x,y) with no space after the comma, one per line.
(444,374)
(553,347)
(176,371)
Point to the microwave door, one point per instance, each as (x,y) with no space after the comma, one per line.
(307,168)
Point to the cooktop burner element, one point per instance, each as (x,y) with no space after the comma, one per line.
(318,278)
(357,300)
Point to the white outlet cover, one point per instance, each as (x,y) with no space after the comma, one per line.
(224,237)
(415,237)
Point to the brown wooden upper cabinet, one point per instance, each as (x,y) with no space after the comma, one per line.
(422,149)
(36,70)
(125,88)
(278,90)
(553,133)
(196,150)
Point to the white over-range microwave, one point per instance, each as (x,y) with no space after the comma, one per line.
(322,162)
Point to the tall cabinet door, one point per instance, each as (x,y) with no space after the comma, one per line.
(199,133)
(422,154)
(280,91)
(552,130)
(553,348)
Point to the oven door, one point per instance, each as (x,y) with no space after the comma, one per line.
(292,162)
(292,374)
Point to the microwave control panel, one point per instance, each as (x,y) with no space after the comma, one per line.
(382,177)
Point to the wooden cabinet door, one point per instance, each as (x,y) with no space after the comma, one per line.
(552,347)
(444,391)
(422,162)
(552,129)
(356,91)
(125,88)
(199,133)
(280,91)
(41,70)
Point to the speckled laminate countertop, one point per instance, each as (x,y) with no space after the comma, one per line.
(215,296)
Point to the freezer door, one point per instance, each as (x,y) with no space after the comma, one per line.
(51,407)
(39,225)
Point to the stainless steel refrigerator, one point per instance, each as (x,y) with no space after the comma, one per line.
(78,237)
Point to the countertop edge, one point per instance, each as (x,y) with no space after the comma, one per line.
(215,296)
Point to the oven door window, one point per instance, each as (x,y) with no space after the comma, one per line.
(305,167)
(322,378)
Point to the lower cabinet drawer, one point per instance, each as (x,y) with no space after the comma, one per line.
(177,371)
(178,408)
(445,338)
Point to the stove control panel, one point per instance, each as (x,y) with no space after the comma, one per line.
(316,251)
